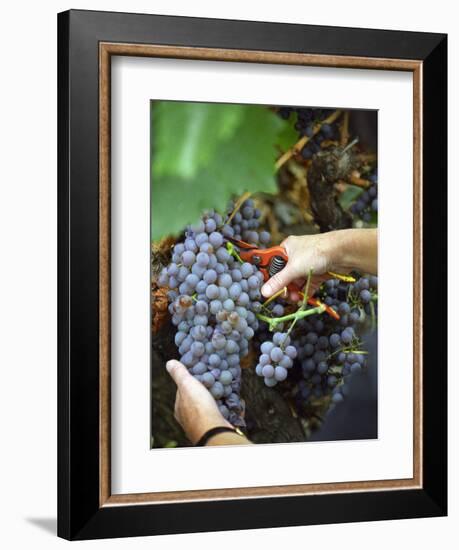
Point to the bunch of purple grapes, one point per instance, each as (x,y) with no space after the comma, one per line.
(213,301)
(306,119)
(322,352)
(351,300)
(329,351)
(277,356)
(245,223)
(367,202)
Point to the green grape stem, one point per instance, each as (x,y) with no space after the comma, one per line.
(232,251)
(348,349)
(373,315)
(300,314)
(304,302)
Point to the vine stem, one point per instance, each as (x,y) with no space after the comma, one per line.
(304,140)
(373,315)
(345,129)
(350,145)
(357,181)
(306,290)
(347,349)
(300,314)
(274,296)
(238,205)
(366,157)
(232,251)
(304,303)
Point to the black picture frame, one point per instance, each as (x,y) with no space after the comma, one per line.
(80,515)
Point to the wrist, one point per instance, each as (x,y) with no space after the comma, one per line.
(340,250)
(222,435)
(228,438)
(354,249)
(209,424)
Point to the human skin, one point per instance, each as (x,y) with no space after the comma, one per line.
(338,251)
(196,410)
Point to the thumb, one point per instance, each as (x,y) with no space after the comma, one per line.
(278,281)
(178,372)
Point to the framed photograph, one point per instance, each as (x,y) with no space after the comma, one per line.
(252,275)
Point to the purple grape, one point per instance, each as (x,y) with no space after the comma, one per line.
(216,239)
(188,257)
(266,347)
(202,259)
(246,270)
(280,374)
(212,292)
(268,371)
(276,354)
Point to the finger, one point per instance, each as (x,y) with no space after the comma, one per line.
(284,244)
(278,281)
(178,372)
(177,406)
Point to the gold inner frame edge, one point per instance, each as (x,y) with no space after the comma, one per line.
(106,51)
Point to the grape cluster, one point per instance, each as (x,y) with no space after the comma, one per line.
(213,299)
(245,223)
(306,119)
(329,351)
(351,300)
(276,358)
(367,202)
(326,359)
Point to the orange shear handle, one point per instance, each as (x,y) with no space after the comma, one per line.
(262,258)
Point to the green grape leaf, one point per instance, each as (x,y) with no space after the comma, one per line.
(348,196)
(243,162)
(288,136)
(186,135)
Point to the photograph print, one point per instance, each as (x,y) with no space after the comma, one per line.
(264,262)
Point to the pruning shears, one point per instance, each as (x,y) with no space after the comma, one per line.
(272,260)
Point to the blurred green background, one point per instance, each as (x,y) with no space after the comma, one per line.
(204,153)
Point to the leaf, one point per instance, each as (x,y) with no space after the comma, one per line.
(288,136)
(243,162)
(374,220)
(186,135)
(350,195)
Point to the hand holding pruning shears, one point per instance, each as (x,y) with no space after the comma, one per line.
(270,261)
(326,254)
